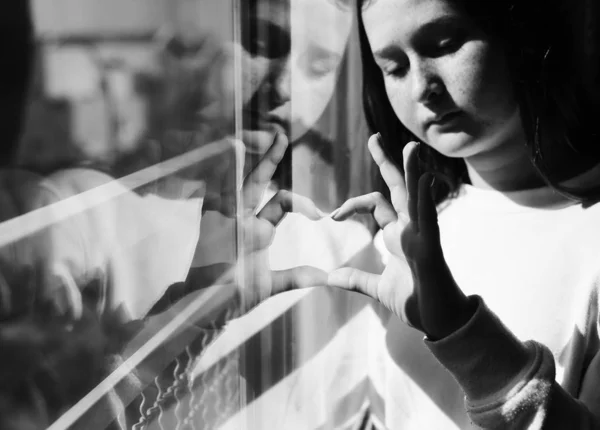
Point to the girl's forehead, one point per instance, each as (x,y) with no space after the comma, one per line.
(400,19)
(275,11)
(322,22)
(284,10)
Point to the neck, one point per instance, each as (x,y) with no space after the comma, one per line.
(506,167)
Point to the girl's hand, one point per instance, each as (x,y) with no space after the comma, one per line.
(242,240)
(416,284)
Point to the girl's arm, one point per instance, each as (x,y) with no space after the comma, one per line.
(510,384)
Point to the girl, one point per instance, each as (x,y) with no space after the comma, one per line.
(501,94)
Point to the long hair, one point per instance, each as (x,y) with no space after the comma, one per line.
(17,50)
(552,52)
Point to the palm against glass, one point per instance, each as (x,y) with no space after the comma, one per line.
(416,284)
(249,270)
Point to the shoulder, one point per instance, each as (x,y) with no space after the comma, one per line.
(82,189)
(21,191)
(73,181)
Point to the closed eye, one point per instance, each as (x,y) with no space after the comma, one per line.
(445,46)
(395,71)
(394,65)
(319,61)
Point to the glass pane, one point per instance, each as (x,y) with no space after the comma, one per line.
(149,218)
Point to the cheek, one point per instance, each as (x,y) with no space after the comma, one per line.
(485,91)
(401,103)
(309,99)
(498,99)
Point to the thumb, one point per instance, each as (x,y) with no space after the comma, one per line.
(286,201)
(297,278)
(352,279)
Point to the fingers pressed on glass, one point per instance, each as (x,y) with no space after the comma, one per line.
(296,278)
(374,203)
(412,174)
(257,234)
(66,294)
(390,173)
(285,201)
(258,179)
(352,279)
(257,142)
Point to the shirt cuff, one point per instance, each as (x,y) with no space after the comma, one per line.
(484,357)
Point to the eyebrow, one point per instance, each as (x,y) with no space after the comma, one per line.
(392,52)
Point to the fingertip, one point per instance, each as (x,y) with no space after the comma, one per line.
(408,148)
(372,142)
(278,148)
(315,215)
(340,214)
(374,139)
(374,146)
(307,207)
(281,139)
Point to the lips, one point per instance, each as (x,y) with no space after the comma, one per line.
(258,131)
(268,122)
(443,119)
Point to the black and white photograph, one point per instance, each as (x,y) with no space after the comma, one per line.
(300,215)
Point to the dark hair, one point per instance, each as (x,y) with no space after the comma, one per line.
(16,48)
(552,53)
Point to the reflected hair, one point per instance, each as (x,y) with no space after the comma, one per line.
(17,47)
(553,57)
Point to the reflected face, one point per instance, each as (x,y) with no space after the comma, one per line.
(447,83)
(291,52)
(283,69)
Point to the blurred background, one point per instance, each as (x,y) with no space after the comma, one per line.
(116,81)
(124,85)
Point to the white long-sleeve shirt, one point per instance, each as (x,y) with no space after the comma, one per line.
(534,258)
(138,245)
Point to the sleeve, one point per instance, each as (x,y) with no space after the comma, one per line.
(129,248)
(510,384)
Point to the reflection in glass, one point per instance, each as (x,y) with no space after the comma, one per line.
(150,185)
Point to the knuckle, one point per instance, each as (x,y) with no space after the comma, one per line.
(354,280)
(377,196)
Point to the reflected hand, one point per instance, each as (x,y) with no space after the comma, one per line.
(416,284)
(248,265)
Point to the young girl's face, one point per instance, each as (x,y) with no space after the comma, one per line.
(290,62)
(447,83)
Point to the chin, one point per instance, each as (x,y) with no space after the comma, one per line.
(455,144)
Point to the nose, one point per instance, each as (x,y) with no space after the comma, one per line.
(427,85)
(280,83)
